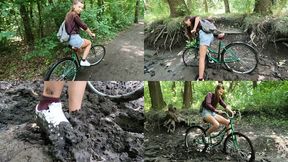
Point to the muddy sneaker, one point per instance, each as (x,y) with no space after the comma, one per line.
(84,63)
(53,115)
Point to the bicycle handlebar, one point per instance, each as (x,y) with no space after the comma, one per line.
(237,112)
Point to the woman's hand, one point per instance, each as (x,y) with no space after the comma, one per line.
(219,111)
(92,35)
(193,31)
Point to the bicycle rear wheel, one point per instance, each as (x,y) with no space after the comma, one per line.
(96,54)
(190,57)
(118,90)
(239,147)
(65,69)
(240,58)
(194,139)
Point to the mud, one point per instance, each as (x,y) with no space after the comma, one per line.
(270,144)
(117,88)
(168,65)
(101,131)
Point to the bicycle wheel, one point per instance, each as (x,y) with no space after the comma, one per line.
(65,69)
(190,57)
(194,139)
(240,57)
(118,90)
(239,147)
(96,54)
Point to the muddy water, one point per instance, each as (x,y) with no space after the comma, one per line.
(102,130)
(168,65)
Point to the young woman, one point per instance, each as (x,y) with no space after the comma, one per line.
(193,28)
(73,24)
(208,109)
(49,108)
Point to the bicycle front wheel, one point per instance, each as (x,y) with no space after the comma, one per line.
(63,70)
(190,57)
(194,139)
(96,54)
(240,58)
(118,90)
(239,147)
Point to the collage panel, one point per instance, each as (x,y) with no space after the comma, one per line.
(72,40)
(212,40)
(57,121)
(183,122)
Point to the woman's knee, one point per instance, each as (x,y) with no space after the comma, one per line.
(215,125)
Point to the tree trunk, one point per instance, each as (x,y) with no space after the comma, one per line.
(29,38)
(137,8)
(41,33)
(263,7)
(206,6)
(156,95)
(177,8)
(227,7)
(187,95)
(254,84)
(173,89)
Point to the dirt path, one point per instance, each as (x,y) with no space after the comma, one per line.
(123,60)
(168,65)
(270,144)
(102,131)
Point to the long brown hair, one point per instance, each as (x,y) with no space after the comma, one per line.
(74,2)
(217,97)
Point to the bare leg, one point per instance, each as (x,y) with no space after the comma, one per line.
(53,88)
(202,54)
(87,46)
(223,121)
(215,124)
(76,91)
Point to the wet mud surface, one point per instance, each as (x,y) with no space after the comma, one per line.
(101,131)
(270,145)
(168,65)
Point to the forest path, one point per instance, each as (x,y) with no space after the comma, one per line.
(270,144)
(124,58)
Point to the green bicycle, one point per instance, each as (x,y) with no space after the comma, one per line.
(236,144)
(66,68)
(237,57)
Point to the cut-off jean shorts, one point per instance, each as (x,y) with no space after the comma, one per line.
(205,38)
(206,112)
(76,41)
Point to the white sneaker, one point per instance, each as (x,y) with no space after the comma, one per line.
(54,115)
(84,63)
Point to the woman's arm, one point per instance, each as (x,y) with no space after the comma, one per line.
(223,104)
(197,20)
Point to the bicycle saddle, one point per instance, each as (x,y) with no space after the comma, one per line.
(74,48)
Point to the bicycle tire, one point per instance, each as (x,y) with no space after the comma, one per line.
(193,135)
(230,136)
(240,64)
(130,94)
(56,71)
(96,54)
(190,57)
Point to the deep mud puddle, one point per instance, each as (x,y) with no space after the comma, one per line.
(102,130)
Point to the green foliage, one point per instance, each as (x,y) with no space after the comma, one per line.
(190,44)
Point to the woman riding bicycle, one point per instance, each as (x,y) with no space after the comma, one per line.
(73,24)
(208,109)
(194,28)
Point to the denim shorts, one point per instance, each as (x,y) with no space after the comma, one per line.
(205,38)
(205,112)
(76,41)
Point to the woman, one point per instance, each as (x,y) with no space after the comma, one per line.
(193,28)
(49,109)
(73,24)
(208,109)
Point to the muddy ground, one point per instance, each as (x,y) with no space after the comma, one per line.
(102,130)
(168,65)
(270,144)
(123,60)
